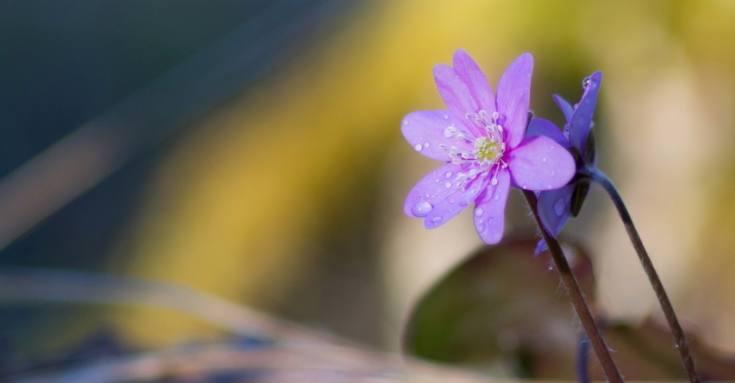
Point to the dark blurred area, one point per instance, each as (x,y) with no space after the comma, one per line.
(66,64)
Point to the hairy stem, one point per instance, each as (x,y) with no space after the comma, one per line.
(658,287)
(575,295)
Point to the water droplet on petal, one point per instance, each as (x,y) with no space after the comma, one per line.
(479,212)
(436,218)
(447,184)
(450,131)
(448,175)
(426,145)
(421,209)
(418,147)
(588,83)
(559,207)
(544,160)
(494,181)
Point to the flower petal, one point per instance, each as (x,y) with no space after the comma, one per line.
(564,105)
(581,121)
(454,91)
(468,70)
(432,132)
(540,163)
(490,209)
(544,127)
(554,210)
(439,196)
(514,92)
(455,202)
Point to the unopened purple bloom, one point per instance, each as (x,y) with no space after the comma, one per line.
(480,138)
(555,205)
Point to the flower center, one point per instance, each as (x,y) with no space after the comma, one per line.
(487,150)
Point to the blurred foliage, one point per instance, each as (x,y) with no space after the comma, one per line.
(504,312)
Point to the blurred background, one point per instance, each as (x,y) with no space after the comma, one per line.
(251,150)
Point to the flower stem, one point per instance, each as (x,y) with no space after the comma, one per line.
(658,287)
(576,296)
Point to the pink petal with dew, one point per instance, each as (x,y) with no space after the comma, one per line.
(468,70)
(514,92)
(433,133)
(539,164)
(454,91)
(489,214)
(440,195)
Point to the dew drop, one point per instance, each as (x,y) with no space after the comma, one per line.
(448,175)
(426,145)
(446,116)
(436,218)
(450,131)
(447,184)
(544,160)
(418,147)
(479,212)
(588,83)
(494,181)
(421,209)
(559,207)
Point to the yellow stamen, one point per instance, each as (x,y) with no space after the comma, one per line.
(487,150)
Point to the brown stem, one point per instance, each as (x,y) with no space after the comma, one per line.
(658,287)
(575,295)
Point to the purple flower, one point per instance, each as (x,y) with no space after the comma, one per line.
(555,206)
(480,140)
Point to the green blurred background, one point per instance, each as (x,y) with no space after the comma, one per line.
(251,149)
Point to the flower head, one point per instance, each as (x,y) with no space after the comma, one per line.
(480,138)
(556,206)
